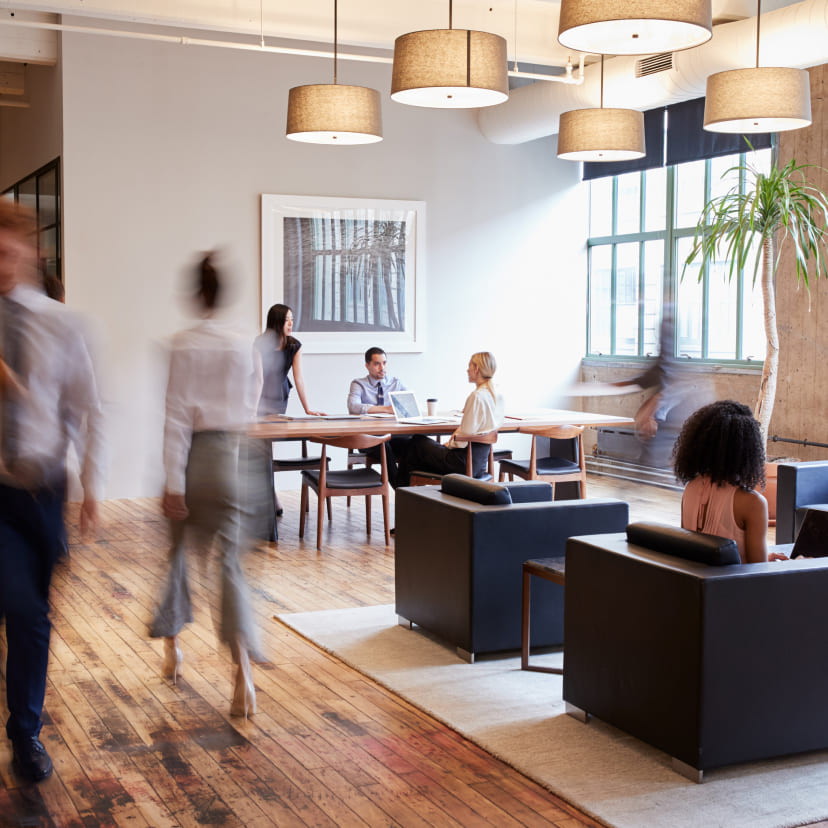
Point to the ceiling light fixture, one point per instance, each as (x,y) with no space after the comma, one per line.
(634,27)
(601,134)
(762,99)
(326,113)
(450,68)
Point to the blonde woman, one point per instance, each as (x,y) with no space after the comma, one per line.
(482,412)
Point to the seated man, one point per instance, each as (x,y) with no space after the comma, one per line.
(369,395)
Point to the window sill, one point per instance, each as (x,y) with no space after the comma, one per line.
(691,365)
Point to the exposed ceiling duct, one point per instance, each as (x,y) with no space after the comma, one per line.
(795,36)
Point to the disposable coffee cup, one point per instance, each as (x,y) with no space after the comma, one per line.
(431,405)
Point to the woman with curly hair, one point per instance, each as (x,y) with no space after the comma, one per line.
(720,457)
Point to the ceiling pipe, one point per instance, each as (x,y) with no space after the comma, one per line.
(184,40)
(795,36)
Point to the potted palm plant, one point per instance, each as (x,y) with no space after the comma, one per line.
(752,227)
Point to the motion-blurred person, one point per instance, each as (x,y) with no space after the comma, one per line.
(482,412)
(46,381)
(370,395)
(214,383)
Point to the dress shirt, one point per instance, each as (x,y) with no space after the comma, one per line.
(482,412)
(61,396)
(363,393)
(214,385)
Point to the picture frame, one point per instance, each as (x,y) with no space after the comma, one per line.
(351,269)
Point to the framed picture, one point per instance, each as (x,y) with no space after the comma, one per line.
(350,268)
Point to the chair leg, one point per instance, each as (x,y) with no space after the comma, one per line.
(320,508)
(386,514)
(303,507)
(348,501)
(330,515)
(368,515)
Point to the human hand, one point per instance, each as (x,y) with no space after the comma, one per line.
(314,413)
(88,516)
(648,428)
(777,556)
(174,506)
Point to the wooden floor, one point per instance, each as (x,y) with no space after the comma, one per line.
(327,747)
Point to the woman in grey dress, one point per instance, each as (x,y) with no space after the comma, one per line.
(212,391)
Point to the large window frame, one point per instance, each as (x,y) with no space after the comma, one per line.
(671,237)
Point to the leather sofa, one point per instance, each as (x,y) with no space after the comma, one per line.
(799,487)
(714,662)
(459,555)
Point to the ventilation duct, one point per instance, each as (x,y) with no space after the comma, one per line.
(795,36)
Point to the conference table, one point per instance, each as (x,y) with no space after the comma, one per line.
(281,427)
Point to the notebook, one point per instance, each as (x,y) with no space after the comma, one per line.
(407,410)
(812,540)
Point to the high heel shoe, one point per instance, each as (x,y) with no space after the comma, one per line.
(172,667)
(244,694)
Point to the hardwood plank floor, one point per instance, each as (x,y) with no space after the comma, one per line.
(328,747)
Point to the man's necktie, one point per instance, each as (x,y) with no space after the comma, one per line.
(380,396)
(12,353)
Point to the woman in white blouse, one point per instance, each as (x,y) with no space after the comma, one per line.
(482,412)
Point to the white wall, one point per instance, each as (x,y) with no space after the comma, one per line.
(166,152)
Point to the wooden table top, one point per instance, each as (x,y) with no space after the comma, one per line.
(278,427)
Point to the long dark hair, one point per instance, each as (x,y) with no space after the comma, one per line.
(723,442)
(275,322)
(208,283)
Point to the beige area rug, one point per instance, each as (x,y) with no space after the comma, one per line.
(519,717)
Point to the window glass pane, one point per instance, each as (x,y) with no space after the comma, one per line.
(721,314)
(47,251)
(600,206)
(689,310)
(753,317)
(47,197)
(655,199)
(689,193)
(722,175)
(600,299)
(629,203)
(653,281)
(27,191)
(761,159)
(626,298)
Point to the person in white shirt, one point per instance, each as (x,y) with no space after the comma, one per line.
(212,392)
(483,412)
(46,383)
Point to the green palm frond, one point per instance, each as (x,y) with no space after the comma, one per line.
(780,204)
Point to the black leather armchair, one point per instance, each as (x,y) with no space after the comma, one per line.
(712,664)
(460,551)
(799,486)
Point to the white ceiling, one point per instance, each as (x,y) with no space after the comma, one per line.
(529,26)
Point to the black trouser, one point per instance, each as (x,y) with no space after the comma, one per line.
(425,454)
(399,446)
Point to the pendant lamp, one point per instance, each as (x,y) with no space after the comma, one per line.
(762,99)
(330,113)
(450,68)
(601,134)
(634,27)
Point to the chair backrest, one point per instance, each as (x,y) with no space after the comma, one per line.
(560,432)
(489,437)
(352,441)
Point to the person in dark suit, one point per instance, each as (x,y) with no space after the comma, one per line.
(47,392)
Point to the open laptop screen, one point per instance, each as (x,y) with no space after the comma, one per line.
(404,404)
(812,540)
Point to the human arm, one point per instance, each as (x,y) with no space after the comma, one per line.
(750,510)
(299,382)
(473,422)
(645,422)
(359,403)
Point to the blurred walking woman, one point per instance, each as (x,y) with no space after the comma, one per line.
(214,382)
(280,354)
(482,412)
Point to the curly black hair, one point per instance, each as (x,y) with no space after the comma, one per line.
(723,442)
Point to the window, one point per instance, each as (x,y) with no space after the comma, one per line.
(40,193)
(641,230)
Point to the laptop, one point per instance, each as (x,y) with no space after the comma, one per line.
(407,410)
(812,540)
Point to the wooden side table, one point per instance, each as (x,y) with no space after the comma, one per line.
(550,569)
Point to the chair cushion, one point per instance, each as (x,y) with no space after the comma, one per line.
(345,478)
(530,491)
(296,463)
(682,543)
(545,465)
(478,491)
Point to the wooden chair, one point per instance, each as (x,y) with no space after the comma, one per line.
(425,478)
(552,469)
(358,458)
(303,463)
(363,482)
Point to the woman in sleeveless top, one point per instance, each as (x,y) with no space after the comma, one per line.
(719,454)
